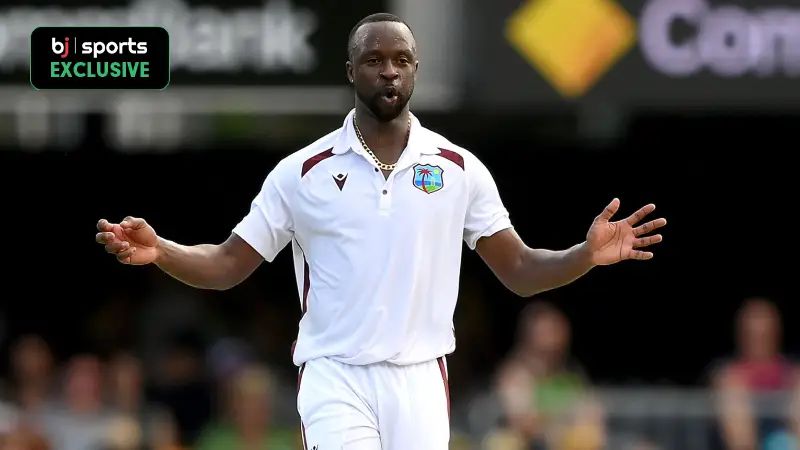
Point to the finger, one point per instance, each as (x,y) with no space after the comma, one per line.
(125,256)
(610,210)
(645,241)
(641,214)
(133,223)
(104,238)
(649,226)
(116,247)
(641,256)
(103,225)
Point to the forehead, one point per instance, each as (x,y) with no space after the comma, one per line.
(384,36)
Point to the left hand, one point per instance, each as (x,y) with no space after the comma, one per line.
(611,242)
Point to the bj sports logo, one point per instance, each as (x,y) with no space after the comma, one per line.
(99,58)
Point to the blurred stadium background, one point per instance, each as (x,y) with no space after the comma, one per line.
(691,104)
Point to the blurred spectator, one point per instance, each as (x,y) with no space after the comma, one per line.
(24,438)
(137,424)
(758,369)
(248,422)
(80,422)
(32,369)
(8,419)
(543,392)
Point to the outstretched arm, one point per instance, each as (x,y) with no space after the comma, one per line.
(205,266)
(527,271)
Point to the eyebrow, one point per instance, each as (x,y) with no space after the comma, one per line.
(405,51)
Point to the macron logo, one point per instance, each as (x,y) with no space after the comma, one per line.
(339,178)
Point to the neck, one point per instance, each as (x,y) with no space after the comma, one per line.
(252,433)
(386,139)
(540,362)
(760,355)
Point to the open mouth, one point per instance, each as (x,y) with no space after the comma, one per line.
(390,94)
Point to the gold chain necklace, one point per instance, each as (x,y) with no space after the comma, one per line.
(383,166)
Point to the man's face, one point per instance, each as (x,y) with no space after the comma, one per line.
(759,330)
(383,67)
(549,335)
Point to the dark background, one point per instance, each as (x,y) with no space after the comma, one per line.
(723,181)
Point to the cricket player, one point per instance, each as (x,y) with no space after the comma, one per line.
(377,213)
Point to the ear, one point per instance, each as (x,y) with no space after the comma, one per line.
(349,70)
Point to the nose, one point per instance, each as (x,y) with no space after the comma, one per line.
(389,71)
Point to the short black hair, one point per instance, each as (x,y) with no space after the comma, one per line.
(372,18)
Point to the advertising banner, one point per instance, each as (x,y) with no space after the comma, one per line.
(685,53)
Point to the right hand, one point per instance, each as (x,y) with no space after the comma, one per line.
(132,241)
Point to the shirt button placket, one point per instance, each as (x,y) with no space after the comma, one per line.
(385,196)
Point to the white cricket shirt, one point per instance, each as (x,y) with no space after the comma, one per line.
(377,260)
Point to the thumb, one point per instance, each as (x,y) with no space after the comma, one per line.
(610,210)
(133,223)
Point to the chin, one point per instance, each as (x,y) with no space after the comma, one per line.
(387,114)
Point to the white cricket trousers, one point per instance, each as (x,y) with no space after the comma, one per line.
(379,406)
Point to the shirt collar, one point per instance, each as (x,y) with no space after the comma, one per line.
(417,144)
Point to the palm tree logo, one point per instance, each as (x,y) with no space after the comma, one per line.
(428,178)
(424,173)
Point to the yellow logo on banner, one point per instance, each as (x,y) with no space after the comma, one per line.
(571,42)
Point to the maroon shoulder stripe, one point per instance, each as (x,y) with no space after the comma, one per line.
(316,159)
(452,156)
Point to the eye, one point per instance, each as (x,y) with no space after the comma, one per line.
(372,60)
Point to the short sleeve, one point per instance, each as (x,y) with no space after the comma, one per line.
(486,214)
(268,226)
